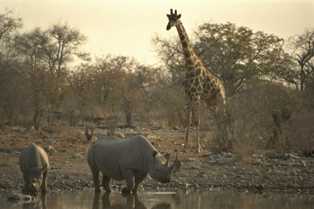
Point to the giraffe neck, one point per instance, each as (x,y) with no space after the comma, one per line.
(186,45)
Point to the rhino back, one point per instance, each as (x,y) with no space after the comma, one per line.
(33,158)
(113,155)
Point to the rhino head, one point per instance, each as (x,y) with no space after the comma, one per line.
(162,171)
(33,186)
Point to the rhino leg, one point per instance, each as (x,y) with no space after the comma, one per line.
(25,189)
(105,183)
(44,182)
(106,201)
(129,176)
(96,179)
(138,180)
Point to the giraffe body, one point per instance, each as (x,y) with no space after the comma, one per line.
(199,84)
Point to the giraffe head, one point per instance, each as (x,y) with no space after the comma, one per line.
(173,17)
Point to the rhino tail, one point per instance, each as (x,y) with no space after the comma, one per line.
(91,158)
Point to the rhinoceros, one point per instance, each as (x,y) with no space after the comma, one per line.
(129,159)
(34,165)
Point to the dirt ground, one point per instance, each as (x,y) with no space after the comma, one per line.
(263,172)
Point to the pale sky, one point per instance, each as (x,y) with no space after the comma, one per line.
(126,27)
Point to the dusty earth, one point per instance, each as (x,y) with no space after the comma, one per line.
(262,172)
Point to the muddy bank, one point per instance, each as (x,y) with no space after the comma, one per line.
(266,172)
(289,173)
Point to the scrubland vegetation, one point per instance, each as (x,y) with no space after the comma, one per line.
(46,80)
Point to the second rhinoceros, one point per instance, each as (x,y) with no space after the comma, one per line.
(34,165)
(128,159)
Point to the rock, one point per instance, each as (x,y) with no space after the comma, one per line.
(77,156)
(18,129)
(119,135)
(293,156)
(303,163)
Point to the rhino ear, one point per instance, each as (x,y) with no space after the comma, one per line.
(167,156)
(154,153)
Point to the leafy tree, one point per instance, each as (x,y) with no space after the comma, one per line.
(81,92)
(10,76)
(121,85)
(8,24)
(31,47)
(235,54)
(45,54)
(64,45)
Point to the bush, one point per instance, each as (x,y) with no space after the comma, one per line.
(251,123)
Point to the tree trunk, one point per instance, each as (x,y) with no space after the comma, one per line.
(302,78)
(129,119)
(128,113)
(36,119)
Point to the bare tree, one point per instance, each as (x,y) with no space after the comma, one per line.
(304,53)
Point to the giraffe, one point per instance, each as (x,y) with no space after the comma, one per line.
(199,83)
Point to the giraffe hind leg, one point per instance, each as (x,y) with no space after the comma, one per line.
(198,123)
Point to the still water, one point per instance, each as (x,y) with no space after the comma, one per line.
(209,200)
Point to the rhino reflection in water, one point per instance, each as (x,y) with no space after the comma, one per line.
(41,203)
(132,202)
(127,159)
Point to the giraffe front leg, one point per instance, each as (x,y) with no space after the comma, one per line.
(188,124)
(198,123)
